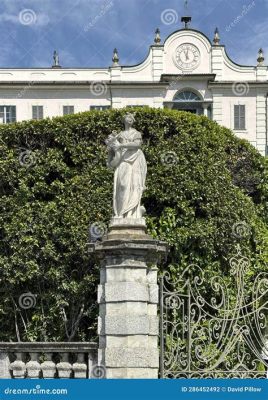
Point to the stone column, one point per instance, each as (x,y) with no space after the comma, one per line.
(261,119)
(128,300)
(205,108)
(4,365)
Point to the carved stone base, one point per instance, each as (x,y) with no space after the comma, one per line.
(127,228)
(129,222)
(128,299)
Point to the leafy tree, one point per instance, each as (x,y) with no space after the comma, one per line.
(54,185)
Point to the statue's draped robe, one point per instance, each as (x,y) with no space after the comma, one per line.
(129,177)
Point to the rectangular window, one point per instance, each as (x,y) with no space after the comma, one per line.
(7,114)
(239,117)
(38,112)
(136,106)
(100,108)
(68,110)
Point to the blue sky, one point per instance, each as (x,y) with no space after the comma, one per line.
(85,32)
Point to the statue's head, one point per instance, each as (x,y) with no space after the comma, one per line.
(129,119)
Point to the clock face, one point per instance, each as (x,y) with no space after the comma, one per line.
(187,57)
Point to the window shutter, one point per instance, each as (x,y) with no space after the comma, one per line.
(236,117)
(242,117)
(34,112)
(7,114)
(41,112)
(13,113)
(38,112)
(68,110)
(99,108)
(2,115)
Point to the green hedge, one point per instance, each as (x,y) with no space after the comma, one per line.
(55,185)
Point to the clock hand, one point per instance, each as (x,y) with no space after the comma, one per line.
(186,52)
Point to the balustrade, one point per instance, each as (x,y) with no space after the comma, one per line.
(48,360)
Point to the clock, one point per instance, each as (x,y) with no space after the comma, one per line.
(187,57)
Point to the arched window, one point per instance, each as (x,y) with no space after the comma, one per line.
(187,96)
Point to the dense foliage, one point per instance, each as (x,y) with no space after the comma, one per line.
(54,185)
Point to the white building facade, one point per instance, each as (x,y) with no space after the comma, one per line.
(186,72)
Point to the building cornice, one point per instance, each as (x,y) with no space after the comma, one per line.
(60,69)
(85,84)
(141,85)
(179,77)
(226,84)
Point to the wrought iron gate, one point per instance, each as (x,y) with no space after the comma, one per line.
(210,330)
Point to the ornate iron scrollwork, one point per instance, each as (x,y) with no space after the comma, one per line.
(223,337)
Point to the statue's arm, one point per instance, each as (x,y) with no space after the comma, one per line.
(132,145)
(135,144)
(114,158)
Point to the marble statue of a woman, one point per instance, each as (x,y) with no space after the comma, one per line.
(127,158)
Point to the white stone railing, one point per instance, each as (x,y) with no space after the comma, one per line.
(34,360)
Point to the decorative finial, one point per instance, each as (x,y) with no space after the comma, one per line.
(261,58)
(157,38)
(56,60)
(186,5)
(115,58)
(217,38)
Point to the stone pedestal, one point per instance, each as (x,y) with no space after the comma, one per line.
(128,300)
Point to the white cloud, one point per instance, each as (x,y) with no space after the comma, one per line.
(128,25)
